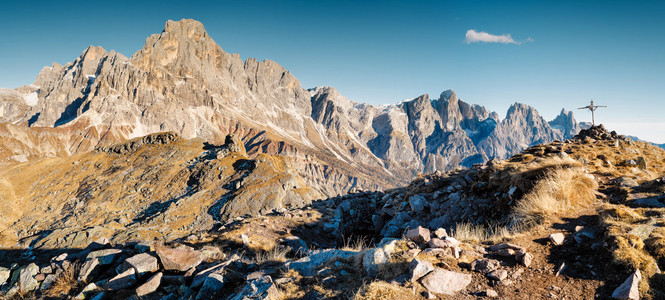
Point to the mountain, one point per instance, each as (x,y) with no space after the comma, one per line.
(181,81)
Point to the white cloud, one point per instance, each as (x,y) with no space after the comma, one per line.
(473,36)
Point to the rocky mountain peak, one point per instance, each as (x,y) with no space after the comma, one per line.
(566,124)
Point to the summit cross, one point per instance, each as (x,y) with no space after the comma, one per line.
(592,108)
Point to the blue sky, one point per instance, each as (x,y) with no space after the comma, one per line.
(565,52)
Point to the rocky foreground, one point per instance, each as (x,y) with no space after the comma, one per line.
(578,219)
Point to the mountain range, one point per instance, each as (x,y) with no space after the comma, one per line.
(182,81)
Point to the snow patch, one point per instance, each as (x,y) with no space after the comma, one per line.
(31,99)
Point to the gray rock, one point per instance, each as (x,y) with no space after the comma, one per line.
(524,259)
(105,256)
(150,285)
(373,260)
(87,292)
(485,265)
(87,269)
(48,282)
(4,275)
(418,235)
(440,233)
(296,245)
(417,203)
(419,268)
(498,275)
(142,263)
(122,281)
(212,287)
(629,289)
(181,258)
(308,266)
(26,278)
(557,238)
(442,281)
(491,293)
(260,288)
(201,276)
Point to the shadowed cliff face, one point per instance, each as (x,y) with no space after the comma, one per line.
(182,81)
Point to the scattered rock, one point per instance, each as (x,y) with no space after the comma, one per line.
(122,281)
(26,278)
(87,269)
(524,258)
(442,281)
(557,238)
(105,256)
(150,285)
(629,289)
(260,288)
(142,263)
(181,258)
(87,292)
(485,265)
(417,203)
(419,268)
(4,275)
(296,245)
(491,293)
(418,235)
(498,275)
(212,287)
(440,233)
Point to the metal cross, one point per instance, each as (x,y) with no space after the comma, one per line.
(592,108)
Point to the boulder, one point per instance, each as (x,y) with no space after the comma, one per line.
(629,289)
(200,277)
(142,263)
(26,278)
(417,203)
(442,281)
(260,288)
(122,281)
(498,275)
(150,285)
(87,292)
(4,275)
(181,258)
(440,233)
(86,272)
(296,245)
(308,266)
(557,238)
(419,268)
(418,234)
(373,260)
(48,282)
(105,256)
(212,287)
(485,265)
(524,258)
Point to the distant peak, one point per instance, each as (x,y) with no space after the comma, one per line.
(448,95)
(188,26)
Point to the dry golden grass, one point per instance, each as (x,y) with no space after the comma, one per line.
(277,254)
(64,283)
(656,243)
(355,244)
(467,232)
(383,290)
(559,191)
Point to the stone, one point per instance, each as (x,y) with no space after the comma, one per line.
(142,263)
(524,258)
(143,247)
(46,270)
(417,203)
(296,245)
(641,163)
(181,258)
(629,289)
(211,254)
(105,256)
(498,275)
(200,277)
(505,252)
(557,238)
(4,275)
(418,235)
(374,259)
(122,281)
(87,292)
(212,287)
(440,233)
(150,285)
(442,281)
(485,265)
(40,277)
(26,278)
(491,293)
(98,244)
(309,265)
(87,269)
(48,282)
(260,288)
(419,268)
(498,247)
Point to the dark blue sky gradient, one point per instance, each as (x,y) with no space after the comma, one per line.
(386,51)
